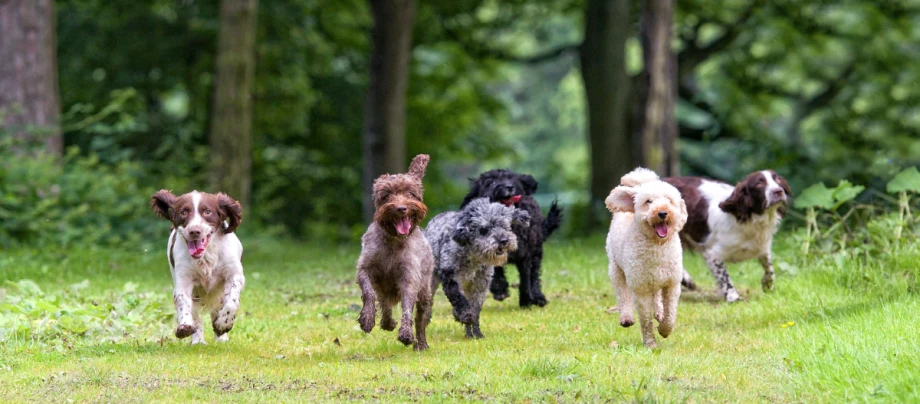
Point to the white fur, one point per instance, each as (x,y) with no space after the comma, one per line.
(643,266)
(214,281)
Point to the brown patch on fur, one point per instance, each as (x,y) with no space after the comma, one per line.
(697,228)
(786,188)
(229,210)
(213,208)
(748,198)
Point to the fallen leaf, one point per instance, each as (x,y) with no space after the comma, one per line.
(576,329)
(279,357)
(612,309)
(336,341)
(614,344)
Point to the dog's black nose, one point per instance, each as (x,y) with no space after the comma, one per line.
(194,234)
(503,241)
(401,209)
(662,214)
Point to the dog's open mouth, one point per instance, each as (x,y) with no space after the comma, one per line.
(511,201)
(196,247)
(499,252)
(403,226)
(661,229)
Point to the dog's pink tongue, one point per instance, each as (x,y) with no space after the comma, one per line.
(196,247)
(403,226)
(661,229)
(512,200)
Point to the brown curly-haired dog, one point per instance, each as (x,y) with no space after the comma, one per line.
(396,262)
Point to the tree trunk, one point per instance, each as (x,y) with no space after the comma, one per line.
(30,106)
(384,110)
(659,130)
(231,120)
(603,69)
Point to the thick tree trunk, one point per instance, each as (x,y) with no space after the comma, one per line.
(659,131)
(603,69)
(384,110)
(231,119)
(30,106)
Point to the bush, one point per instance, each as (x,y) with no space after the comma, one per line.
(78,200)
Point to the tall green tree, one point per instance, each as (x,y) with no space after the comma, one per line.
(231,118)
(384,139)
(29,101)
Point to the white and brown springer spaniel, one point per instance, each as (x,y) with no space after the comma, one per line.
(205,259)
(733,224)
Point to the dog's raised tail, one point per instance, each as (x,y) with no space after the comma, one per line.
(638,176)
(553,220)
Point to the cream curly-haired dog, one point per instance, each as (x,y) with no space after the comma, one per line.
(644,250)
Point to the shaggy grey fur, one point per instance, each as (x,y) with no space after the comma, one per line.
(467,245)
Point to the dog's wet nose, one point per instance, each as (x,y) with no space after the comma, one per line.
(778,193)
(195,234)
(401,209)
(503,241)
(662,214)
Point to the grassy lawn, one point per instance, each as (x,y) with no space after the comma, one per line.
(831,332)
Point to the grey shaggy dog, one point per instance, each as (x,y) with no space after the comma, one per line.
(467,245)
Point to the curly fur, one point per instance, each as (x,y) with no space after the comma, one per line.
(467,245)
(396,262)
(644,251)
(513,189)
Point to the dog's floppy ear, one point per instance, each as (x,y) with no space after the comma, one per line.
(740,204)
(462,234)
(529,183)
(417,168)
(520,217)
(621,199)
(683,215)
(230,210)
(475,190)
(162,203)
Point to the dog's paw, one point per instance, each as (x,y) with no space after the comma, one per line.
(366,321)
(388,323)
(224,322)
(539,300)
(223,338)
(500,296)
(405,336)
(664,330)
(732,296)
(650,343)
(420,346)
(767,283)
(688,283)
(626,321)
(184,330)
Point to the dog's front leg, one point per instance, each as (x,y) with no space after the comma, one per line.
(646,318)
(452,290)
(717,266)
(499,285)
(670,297)
(478,290)
(222,320)
(182,297)
(368,298)
(766,261)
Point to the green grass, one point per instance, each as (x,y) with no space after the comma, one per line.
(831,332)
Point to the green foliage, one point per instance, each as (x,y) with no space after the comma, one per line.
(820,196)
(906,181)
(68,317)
(44,201)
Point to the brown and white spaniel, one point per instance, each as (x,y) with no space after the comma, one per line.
(205,259)
(732,224)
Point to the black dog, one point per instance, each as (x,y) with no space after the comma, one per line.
(513,189)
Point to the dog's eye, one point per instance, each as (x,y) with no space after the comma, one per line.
(183,213)
(648,202)
(483,231)
(207,212)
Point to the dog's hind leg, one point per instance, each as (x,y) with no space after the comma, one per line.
(368,312)
(198,335)
(422,318)
(670,296)
(717,266)
(387,323)
(646,313)
(625,303)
